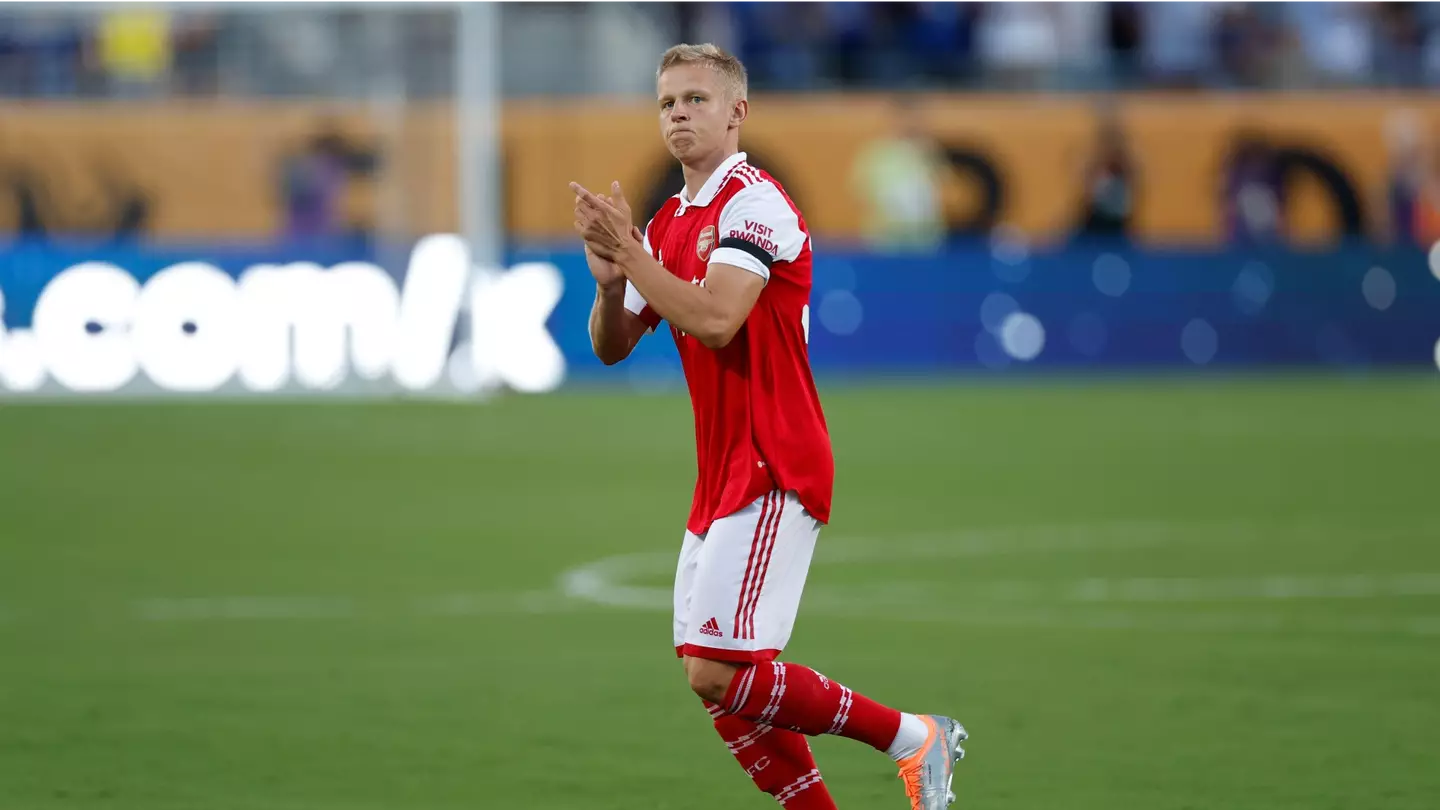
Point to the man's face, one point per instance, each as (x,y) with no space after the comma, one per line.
(695,110)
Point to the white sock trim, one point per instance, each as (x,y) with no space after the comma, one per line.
(909,739)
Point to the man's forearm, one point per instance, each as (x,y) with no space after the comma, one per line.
(687,307)
(609,336)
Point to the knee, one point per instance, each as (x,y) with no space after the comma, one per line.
(709,679)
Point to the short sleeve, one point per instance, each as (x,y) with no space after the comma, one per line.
(758,228)
(634,301)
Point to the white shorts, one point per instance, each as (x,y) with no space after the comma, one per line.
(738,586)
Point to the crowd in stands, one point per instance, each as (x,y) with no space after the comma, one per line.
(126,51)
(1089,46)
(130,51)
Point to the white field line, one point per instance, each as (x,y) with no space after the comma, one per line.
(1018,602)
(243,608)
(259,608)
(1098,590)
(1230,622)
(603,581)
(1000,603)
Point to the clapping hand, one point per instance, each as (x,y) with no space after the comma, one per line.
(603,222)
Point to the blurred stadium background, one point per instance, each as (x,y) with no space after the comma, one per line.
(1126,319)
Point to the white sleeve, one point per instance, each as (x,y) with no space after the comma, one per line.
(758,228)
(634,301)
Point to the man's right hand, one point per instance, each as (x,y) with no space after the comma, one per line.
(606,272)
(614,330)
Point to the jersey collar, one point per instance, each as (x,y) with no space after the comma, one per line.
(712,185)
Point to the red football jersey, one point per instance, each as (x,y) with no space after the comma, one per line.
(758,422)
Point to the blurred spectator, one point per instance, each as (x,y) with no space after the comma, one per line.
(846,32)
(1429,16)
(40,56)
(20,194)
(303,50)
(780,43)
(1252,195)
(1177,41)
(133,49)
(1122,39)
(1108,184)
(314,182)
(1425,212)
(1080,30)
(1018,43)
(33,206)
(1336,39)
(703,20)
(690,25)
(1246,46)
(196,69)
(898,177)
(941,36)
(1401,35)
(1413,194)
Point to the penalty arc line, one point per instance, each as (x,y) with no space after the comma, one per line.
(605,582)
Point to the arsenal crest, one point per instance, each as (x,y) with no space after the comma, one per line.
(705,242)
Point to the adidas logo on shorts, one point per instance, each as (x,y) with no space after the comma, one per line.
(711,628)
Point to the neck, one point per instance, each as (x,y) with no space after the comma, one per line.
(698,172)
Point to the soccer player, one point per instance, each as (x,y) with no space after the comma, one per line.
(726,263)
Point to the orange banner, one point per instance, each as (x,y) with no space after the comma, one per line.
(208,170)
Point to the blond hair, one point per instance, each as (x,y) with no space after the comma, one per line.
(731,71)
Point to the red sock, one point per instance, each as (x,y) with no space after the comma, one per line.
(778,759)
(799,698)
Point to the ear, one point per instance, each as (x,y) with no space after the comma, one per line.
(739,112)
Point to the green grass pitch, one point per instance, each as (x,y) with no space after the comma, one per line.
(1148,594)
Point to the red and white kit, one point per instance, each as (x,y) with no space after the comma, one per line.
(765,466)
